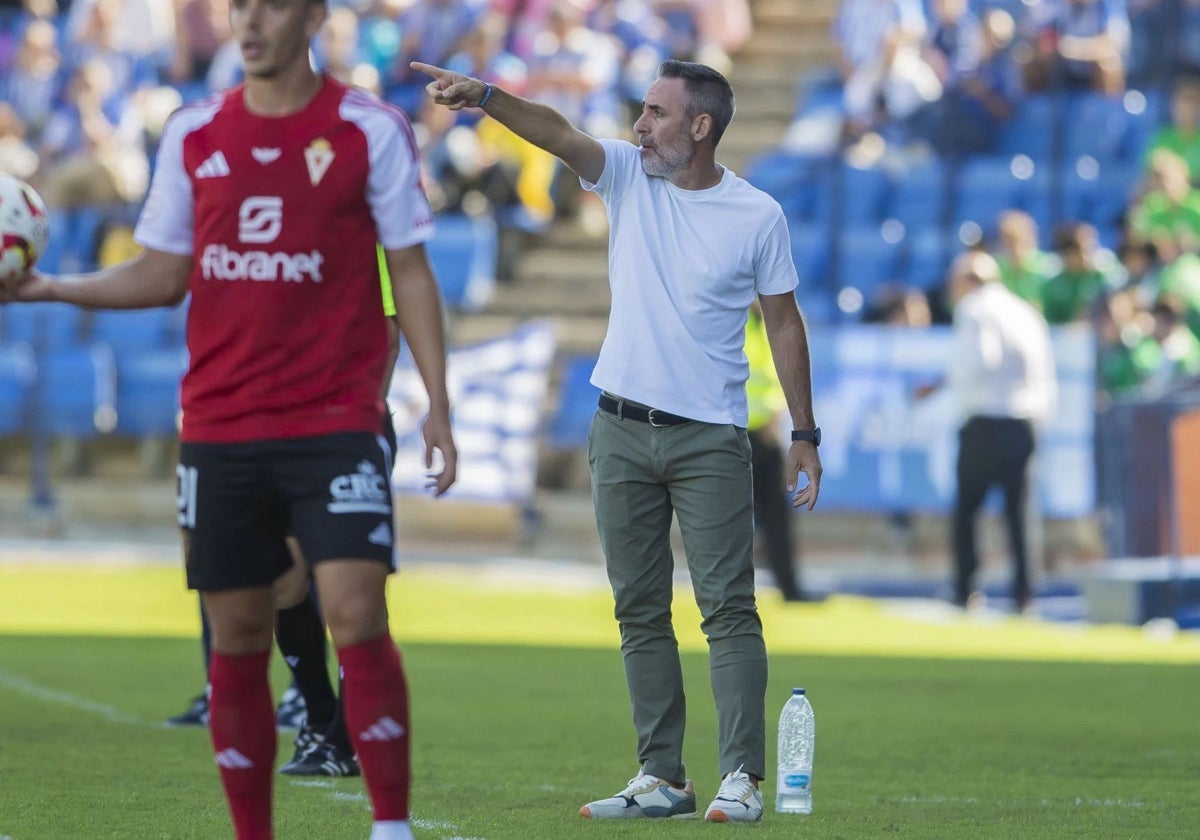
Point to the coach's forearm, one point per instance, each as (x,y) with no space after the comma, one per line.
(540,124)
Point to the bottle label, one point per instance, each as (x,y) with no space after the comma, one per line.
(794,782)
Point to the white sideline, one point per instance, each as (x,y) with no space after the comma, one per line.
(62,698)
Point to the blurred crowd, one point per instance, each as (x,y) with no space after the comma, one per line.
(86,85)
(915,80)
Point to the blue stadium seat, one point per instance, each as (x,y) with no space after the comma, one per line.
(463,254)
(818,305)
(18,369)
(928,258)
(137,329)
(44,325)
(786,178)
(866,260)
(1030,129)
(79,389)
(918,196)
(1148,110)
(148,391)
(1096,125)
(1098,194)
(810,252)
(985,187)
(74,239)
(864,194)
(577,397)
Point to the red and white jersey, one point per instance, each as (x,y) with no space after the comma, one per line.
(285,329)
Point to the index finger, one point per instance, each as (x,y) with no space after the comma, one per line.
(429,69)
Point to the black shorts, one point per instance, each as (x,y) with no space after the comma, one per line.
(237,502)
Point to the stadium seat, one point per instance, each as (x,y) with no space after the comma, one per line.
(79,391)
(1099,194)
(18,369)
(137,329)
(928,258)
(918,196)
(864,194)
(1097,125)
(577,397)
(985,187)
(786,178)
(818,305)
(43,325)
(148,391)
(810,252)
(866,260)
(73,242)
(463,254)
(1031,129)
(1148,110)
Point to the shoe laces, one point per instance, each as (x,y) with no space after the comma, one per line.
(736,786)
(639,784)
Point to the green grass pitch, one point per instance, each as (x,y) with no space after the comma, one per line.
(927,727)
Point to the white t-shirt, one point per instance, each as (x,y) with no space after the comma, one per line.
(1003,362)
(684,267)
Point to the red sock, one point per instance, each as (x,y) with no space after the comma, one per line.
(375,697)
(241,721)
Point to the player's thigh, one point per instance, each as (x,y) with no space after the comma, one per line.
(232,521)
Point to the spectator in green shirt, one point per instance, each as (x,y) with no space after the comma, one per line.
(1169,213)
(1068,295)
(1182,135)
(1179,345)
(1127,353)
(1023,267)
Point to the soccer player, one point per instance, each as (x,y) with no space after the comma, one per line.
(691,245)
(266,203)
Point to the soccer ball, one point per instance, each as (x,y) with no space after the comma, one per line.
(24,228)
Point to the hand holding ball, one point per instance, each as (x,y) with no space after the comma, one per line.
(24,230)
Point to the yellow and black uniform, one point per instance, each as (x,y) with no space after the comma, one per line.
(772,513)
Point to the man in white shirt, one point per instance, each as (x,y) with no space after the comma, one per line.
(691,245)
(1002,374)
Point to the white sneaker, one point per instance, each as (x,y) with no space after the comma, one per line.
(646,796)
(738,800)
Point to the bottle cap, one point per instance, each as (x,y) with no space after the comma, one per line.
(797,691)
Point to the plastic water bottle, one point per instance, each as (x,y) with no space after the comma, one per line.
(793,788)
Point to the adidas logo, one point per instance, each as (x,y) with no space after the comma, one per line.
(231,759)
(384,729)
(214,167)
(382,535)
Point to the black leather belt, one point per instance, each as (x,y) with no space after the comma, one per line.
(641,413)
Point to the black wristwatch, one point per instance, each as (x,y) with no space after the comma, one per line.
(813,436)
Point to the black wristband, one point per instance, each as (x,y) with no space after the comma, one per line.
(812,436)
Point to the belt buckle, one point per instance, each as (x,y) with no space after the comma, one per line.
(651,421)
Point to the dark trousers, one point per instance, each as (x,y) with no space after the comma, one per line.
(772,513)
(993,451)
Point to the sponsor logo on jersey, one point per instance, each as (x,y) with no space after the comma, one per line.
(265,155)
(215,166)
(317,157)
(364,491)
(260,219)
(220,262)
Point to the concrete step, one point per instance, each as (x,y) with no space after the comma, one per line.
(793,10)
(793,48)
